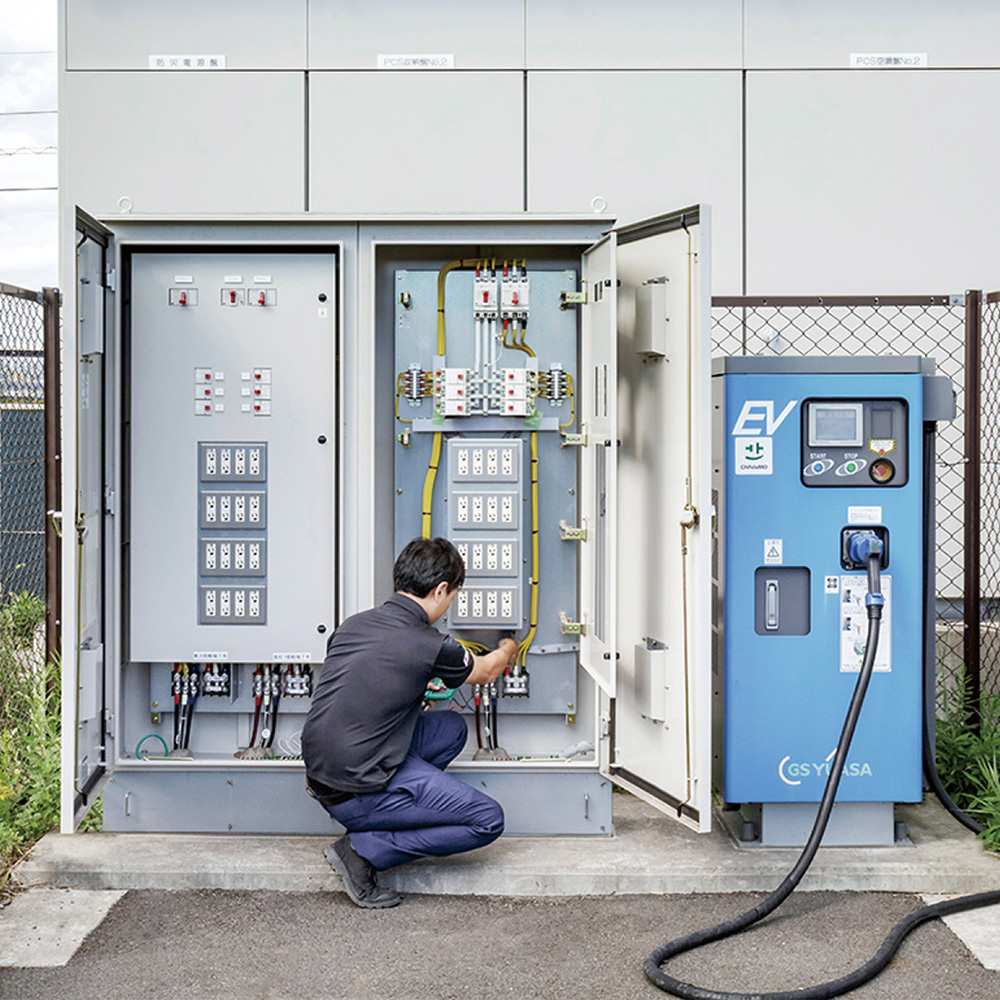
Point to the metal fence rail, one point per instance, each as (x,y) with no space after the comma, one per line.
(928,325)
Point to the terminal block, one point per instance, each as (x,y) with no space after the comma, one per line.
(217,680)
(297,681)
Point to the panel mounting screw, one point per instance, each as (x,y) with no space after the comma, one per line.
(321,439)
(322,296)
(321,629)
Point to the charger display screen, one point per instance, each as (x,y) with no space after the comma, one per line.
(835,424)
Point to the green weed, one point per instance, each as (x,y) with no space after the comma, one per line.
(29,731)
(968,757)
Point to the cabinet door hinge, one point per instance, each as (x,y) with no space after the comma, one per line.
(568,627)
(567,299)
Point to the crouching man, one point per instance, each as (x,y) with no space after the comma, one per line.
(374,760)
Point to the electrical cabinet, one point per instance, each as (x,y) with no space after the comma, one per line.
(277,419)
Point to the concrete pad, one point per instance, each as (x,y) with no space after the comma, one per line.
(44,927)
(650,853)
(978,930)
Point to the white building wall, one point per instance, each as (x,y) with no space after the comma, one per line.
(823,179)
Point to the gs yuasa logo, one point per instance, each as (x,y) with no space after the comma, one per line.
(792,772)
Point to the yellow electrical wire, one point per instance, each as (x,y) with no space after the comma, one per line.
(523,346)
(438,436)
(533,614)
(572,402)
(425,524)
(399,388)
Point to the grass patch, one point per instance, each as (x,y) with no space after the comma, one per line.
(968,757)
(29,731)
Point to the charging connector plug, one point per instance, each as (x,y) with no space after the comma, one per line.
(863,544)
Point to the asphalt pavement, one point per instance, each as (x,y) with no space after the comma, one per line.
(168,945)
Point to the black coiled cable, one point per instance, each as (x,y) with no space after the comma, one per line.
(653,967)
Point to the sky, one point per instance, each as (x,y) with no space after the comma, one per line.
(28,159)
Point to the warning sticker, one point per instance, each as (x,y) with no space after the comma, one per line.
(772,551)
(754,456)
(854,625)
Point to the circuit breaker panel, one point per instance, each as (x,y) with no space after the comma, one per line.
(230,457)
(486,354)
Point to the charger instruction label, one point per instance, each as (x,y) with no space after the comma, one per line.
(854,624)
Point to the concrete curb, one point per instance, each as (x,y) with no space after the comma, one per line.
(650,853)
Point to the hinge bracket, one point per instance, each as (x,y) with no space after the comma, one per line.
(568,627)
(567,533)
(567,299)
(110,279)
(575,440)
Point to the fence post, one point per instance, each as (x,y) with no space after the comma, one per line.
(972,599)
(53,477)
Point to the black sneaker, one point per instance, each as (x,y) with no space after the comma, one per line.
(360,878)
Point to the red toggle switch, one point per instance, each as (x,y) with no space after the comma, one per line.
(262,300)
(232,296)
(515,298)
(486,297)
(184,298)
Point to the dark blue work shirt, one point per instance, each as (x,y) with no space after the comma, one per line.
(368,698)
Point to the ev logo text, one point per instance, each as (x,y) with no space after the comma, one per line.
(792,773)
(756,410)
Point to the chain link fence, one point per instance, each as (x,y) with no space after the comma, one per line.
(989,496)
(929,325)
(25,681)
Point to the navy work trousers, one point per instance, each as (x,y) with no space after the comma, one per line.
(423,811)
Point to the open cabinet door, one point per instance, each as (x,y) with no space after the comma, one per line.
(660,715)
(86,733)
(598,393)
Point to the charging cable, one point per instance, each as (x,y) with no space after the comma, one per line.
(864,547)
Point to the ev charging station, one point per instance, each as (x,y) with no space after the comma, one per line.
(259,415)
(811,454)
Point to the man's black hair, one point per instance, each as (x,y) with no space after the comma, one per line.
(426,562)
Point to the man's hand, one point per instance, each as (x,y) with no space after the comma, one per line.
(489,667)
